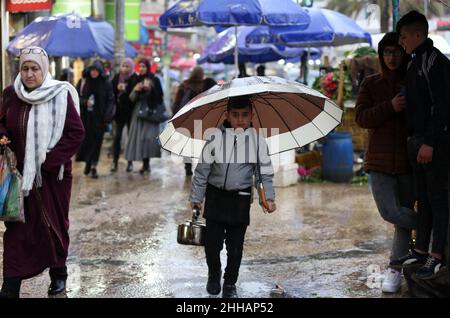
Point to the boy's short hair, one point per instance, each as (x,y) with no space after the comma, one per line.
(239,102)
(413,21)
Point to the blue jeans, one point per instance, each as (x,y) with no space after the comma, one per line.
(394,197)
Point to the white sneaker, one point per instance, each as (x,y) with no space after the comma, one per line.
(392,281)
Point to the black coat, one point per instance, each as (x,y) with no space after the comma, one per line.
(428,101)
(94,121)
(124,107)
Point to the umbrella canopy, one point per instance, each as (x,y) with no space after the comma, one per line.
(189,13)
(69,35)
(291,115)
(221,50)
(327,28)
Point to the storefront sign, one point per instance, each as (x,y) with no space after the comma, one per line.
(132,17)
(81,7)
(28,5)
(150,19)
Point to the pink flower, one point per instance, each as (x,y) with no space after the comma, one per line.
(302,171)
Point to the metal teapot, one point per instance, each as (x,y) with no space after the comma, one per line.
(192,232)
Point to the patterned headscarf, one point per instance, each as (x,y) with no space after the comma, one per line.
(35,54)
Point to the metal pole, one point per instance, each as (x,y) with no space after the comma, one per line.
(236,53)
(306,71)
(395,13)
(4,40)
(425,8)
(119,50)
(165,59)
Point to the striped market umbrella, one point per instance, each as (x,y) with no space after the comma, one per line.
(290,114)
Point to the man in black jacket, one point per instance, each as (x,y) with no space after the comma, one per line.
(427,110)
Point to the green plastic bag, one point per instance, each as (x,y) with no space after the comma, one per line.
(13,209)
(12,206)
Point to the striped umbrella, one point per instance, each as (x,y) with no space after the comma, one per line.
(288,114)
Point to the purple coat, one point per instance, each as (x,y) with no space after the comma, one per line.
(43,240)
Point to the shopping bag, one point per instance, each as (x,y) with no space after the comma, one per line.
(11,196)
(13,205)
(4,188)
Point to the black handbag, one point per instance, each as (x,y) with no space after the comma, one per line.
(155,115)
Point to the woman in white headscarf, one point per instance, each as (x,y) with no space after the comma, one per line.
(40,118)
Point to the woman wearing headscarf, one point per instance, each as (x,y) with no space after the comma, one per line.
(97,110)
(40,117)
(122,85)
(142,140)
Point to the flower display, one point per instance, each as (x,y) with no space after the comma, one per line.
(328,84)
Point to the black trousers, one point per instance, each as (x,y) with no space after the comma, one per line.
(120,125)
(431,181)
(233,235)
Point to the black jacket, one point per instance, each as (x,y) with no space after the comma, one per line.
(428,100)
(124,107)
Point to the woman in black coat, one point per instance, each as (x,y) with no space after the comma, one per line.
(97,108)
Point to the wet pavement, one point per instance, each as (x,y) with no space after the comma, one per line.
(325,240)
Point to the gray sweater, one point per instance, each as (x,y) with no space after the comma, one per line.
(228,162)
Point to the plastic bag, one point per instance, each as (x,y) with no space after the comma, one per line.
(4,189)
(11,196)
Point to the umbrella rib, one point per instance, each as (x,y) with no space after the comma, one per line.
(290,104)
(184,145)
(217,116)
(259,119)
(282,119)
(310,120)
(186,117)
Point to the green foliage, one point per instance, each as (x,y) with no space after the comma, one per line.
(362,51)
(314,177)
(360,180)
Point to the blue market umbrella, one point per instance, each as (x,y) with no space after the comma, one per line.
(69,35)
(222,48)
(327,28)
(190,13)
(104,33)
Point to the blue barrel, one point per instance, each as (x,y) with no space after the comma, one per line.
(337,157)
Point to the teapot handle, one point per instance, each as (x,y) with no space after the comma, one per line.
(195,214)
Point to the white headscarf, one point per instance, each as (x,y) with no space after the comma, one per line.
(45,123)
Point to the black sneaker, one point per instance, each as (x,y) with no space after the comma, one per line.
(413,258)
(229,291)
(213,285)
(431,267)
